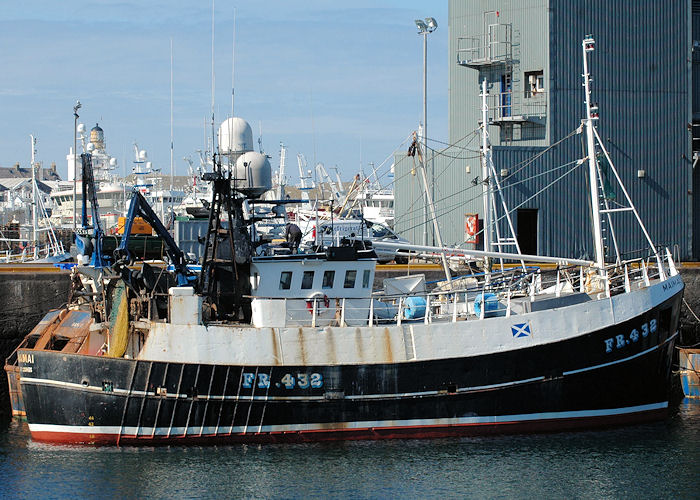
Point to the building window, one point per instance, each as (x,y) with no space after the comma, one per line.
(534,83)
(506,100)
(350,277)
(507,132)
(365,278)
(307,280)
(285,280)
(328,277)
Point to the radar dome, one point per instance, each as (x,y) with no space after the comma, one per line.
(235,136)
(90,147)
(81,128)
(112,162)
(253,174)
(143,155)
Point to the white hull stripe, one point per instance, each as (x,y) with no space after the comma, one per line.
(621,360)
(124,392)
(176,432)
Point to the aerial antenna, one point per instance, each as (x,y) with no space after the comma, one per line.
(313,129)
(172,168)
(213,77)
(260,148)
(233,62)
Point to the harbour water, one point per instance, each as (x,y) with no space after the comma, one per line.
(657,460)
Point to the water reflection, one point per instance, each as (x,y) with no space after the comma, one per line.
(651,460)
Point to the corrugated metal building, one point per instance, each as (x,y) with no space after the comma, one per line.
(646,81)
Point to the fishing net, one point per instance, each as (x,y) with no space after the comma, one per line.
(119,323)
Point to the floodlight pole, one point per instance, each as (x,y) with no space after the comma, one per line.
(425,120)
(424,28)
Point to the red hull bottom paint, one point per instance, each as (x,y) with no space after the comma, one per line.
(370,433)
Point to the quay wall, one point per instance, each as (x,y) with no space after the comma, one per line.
(24,299)
(26,296)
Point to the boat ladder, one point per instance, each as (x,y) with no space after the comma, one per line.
(126,403)
(252,398)
(235,404)
(177,398)
(267,393)
(143,399)
(206,403)
(160,401)
(223,400)
(192,400)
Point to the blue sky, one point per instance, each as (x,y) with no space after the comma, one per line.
(341,82)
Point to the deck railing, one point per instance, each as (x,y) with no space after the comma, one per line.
(503,294)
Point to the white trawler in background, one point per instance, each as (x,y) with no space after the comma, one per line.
(300,347)
(151,184)
(111,190)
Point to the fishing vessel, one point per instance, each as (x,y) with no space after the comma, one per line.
(259,348)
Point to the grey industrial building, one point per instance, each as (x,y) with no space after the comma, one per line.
(647,86)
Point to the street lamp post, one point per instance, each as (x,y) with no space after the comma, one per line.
(424,28)
(75,161)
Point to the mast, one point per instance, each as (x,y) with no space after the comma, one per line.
(281,174)
(233,63)
(213,83)
(172,167)
(485,159)
(34,197)
(436,226)
(588,45)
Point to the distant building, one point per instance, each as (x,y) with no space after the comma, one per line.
(646,81)
(17,172)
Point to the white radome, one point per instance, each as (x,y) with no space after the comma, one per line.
(253,174)
(235,136)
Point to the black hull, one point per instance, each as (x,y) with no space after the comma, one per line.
(571,384)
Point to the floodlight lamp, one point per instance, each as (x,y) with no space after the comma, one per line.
(432,23)
(422,27)
(77,107)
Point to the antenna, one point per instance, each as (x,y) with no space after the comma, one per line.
(260,148)
(34,196)
(233,62)
(172,168)
(213,77)
(313,128)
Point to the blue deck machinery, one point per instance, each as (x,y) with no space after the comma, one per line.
(139,207)
(88,239)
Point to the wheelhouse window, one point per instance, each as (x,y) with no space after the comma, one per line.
(350,277)
(328,278)
(285,280)
(307,281)
(365,278)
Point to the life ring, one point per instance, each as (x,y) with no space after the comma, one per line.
(318,295)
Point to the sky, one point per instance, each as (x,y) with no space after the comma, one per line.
(340,83)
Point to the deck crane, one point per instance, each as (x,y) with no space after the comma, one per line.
(304,174)
(340,181)
(323,175)
(139,207)
(88,241)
